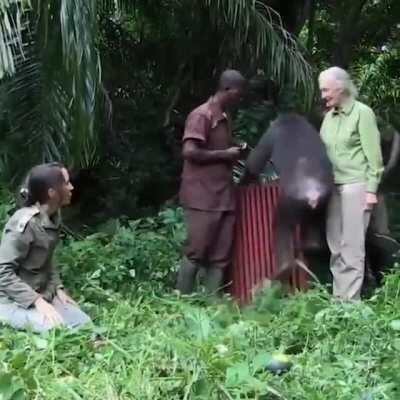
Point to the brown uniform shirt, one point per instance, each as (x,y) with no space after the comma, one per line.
(208,186)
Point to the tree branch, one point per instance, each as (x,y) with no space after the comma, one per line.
(348,33)
(311,24)
(175,98)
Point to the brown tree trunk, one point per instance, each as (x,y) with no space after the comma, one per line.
(311,24)
(293,13)
(348,33)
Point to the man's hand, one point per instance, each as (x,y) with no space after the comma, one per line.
(195,152)
(49,313)
(64,298)
(233,153)
(370,200)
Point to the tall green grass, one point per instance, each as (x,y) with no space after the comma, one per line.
(149,343)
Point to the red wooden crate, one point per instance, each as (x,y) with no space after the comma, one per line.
(253,255)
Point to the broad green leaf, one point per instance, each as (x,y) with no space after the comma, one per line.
(237,374)
(395,325)
(40,343)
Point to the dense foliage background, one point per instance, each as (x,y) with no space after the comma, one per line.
(105,85)
(149,343)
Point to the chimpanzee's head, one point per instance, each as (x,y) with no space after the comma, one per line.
(288,99)
(284,98)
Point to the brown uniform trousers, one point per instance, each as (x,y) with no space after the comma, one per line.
(209,237)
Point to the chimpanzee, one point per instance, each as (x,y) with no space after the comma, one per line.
(382,249)
(296,151)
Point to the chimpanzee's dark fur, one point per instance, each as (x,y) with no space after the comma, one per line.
(298,154)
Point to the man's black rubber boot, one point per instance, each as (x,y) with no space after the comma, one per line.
(187,277)
(214,279)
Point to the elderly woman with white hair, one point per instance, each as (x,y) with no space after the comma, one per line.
(352,139)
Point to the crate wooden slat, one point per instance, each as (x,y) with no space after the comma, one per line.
(253,254)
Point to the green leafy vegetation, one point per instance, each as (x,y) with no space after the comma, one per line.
(105,86)
(151,343)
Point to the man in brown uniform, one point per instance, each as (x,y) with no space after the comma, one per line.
(207,188)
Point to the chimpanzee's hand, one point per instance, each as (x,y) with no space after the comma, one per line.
(313,197)
(246,178)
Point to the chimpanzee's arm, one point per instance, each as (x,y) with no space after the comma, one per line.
(259,156)
(394,153)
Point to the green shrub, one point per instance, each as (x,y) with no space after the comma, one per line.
(123,258)
(6,206)
(150,343)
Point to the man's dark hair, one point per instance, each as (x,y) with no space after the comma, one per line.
(231,79)
(39,180)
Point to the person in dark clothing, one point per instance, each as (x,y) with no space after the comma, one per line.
(207,192)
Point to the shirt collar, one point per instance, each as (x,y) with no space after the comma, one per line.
(345,108)
(50,223)
(216,113)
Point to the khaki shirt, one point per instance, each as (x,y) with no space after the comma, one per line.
(208,186)
(26,252)
(352,140)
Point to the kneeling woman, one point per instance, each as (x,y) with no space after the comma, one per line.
(31,293)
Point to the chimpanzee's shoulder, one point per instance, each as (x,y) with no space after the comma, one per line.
(292,117)
(295,122)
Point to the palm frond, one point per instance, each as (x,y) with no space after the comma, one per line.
(252,34)
(49,104)
(258,30)
(12,27)
(37,112)
(82,64)
(117,6)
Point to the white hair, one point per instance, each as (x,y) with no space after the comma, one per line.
(342,78)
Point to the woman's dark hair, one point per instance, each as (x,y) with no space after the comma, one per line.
(39,180)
